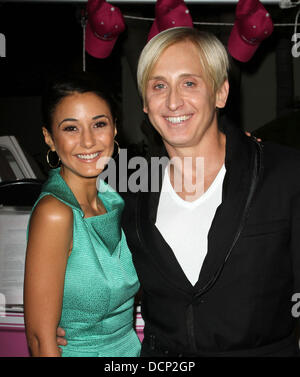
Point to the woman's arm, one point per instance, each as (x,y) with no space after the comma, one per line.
(49,244)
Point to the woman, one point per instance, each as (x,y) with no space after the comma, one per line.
(79,273)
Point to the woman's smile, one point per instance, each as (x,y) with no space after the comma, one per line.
(88,157)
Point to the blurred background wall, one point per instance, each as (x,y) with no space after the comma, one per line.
(43,38)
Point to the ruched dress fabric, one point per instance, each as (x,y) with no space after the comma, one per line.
(100,280)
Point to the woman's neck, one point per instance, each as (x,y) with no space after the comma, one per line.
(85,191)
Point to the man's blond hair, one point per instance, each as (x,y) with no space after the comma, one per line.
(212,54)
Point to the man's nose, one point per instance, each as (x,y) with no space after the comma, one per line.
(87,139)
(174,99)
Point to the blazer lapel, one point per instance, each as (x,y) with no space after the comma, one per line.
(229,217)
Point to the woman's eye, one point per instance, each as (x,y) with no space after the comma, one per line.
(70,128)
(100,124)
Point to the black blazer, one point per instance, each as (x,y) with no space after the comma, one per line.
(241,304)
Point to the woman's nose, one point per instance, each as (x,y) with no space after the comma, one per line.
(87,139)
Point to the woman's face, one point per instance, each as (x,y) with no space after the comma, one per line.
(83,131)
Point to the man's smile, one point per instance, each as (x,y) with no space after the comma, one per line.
(178,119)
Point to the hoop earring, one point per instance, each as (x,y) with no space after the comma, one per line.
(118,146)
(48,160)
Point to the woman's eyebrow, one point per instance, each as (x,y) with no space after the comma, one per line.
(76,120)
(100,116)
(68,120)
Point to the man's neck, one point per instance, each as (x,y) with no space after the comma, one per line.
(193,169)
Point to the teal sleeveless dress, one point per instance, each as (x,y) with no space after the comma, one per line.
(100,280)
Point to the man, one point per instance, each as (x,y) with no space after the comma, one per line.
(224,287)
(219,260)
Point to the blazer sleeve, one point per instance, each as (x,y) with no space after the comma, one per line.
(295,241)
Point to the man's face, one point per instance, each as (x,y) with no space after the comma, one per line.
(179,101)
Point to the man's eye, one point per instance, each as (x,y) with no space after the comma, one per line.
(159,86)
(189,83)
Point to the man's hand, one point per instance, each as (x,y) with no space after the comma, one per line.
(60,340)
(249,134)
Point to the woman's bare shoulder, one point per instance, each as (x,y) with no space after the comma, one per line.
(52,209)
(51,223)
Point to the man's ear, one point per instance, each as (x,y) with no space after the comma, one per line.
(48,139)
(145,107)
(222,95)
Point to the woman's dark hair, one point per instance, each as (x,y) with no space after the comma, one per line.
(60,87)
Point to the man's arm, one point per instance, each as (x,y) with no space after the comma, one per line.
(60,337)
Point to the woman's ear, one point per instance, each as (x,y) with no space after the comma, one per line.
(222,95)
(115,131)
(48,139)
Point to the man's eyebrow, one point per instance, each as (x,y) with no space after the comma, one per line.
(157,78)
(181,75)
(190,74)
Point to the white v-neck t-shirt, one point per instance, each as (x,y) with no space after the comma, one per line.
(185,225)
